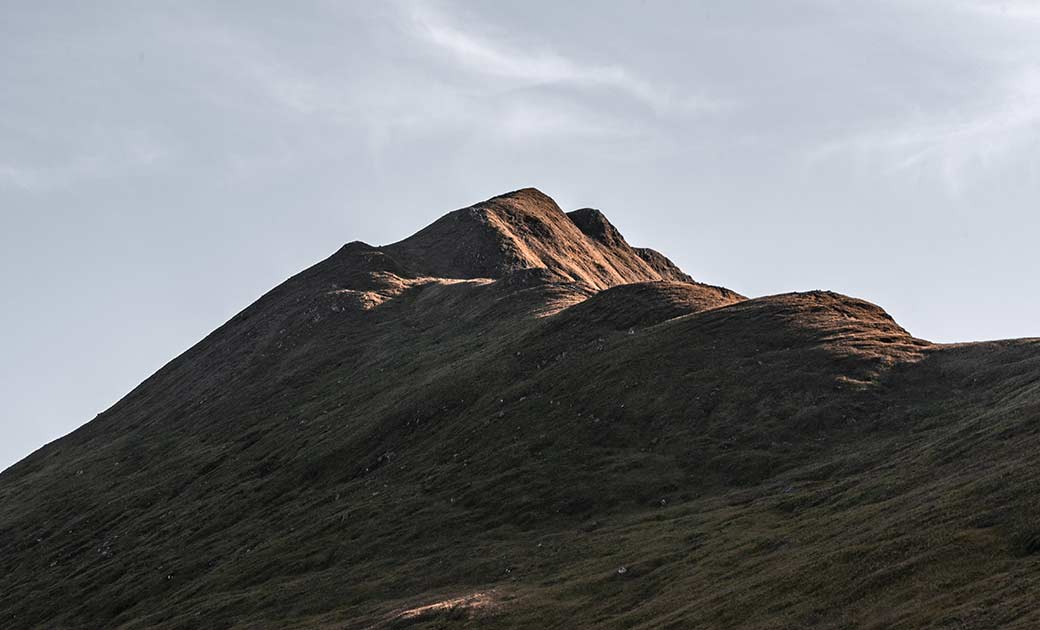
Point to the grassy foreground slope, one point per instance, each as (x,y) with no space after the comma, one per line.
(514,417)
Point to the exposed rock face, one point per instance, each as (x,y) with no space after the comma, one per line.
(489,418)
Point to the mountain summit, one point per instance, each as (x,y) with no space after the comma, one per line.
(514,417)
(524,230)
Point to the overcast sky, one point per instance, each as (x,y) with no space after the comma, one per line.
(162,164)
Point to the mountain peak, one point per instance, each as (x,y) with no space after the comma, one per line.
(529,193)
(595,225)
(524,229)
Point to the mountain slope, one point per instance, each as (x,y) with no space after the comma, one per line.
(515,416)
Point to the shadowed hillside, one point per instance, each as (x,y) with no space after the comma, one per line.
(515,417)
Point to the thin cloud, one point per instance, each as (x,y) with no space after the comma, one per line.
(953,143)
(524,107)
(128,152)
(539,66)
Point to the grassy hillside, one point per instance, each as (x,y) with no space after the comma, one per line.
(562,432)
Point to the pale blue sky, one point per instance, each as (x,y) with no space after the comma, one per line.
(162,164)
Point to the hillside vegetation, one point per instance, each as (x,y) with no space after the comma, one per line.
(515,418)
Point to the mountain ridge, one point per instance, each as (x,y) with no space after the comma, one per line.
(515,417)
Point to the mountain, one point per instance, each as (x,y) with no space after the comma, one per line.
(515,418)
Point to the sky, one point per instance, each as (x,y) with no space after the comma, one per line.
(163,164)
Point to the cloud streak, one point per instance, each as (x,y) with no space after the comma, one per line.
(956,143)
(533,65)
(471,86)
(539,66)
(126,152)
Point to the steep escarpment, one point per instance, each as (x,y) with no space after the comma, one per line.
(514,417)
